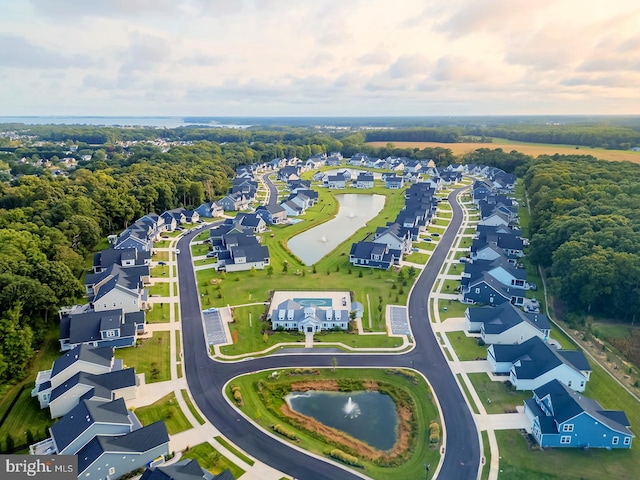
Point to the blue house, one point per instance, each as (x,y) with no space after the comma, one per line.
(561,417)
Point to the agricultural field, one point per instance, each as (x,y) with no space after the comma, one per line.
(533,149)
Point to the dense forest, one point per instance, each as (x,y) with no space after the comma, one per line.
(585,229)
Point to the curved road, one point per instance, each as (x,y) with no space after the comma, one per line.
(207,377)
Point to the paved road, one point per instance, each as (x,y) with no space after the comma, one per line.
(273,190)
(206,378)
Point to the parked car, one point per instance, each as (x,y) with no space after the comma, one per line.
(212,254)
(414,249)
(162,263)
(435,234)
(211,310)
(177,251)
(427,239)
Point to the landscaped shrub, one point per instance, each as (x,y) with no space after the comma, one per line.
(434,432)
(284,432)
(345,457)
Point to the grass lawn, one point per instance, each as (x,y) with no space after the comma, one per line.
(435,228)
(470,231)
(496,396)
(465,242)
(200,249)
(201,236)
(151,357)
(444,214)
(453,309)
(358,341)
(486,451)
(174,234)
(234,450)
(26,414)
(455,269)
(425,411)
(426,245)
(518,462)
(466,348)
(160,257)
(162,244)
(462,253)
(419,258)
(467,394)
(212,460)
(192,408)
(159,313)
(450,286)
(160,288)
(166,409)
(160,271)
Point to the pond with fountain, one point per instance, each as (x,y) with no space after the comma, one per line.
(354,213)
(367,416)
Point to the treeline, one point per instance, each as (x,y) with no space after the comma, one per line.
(49,225)
(445,135)
(603,136)
(585,228)
(510,162)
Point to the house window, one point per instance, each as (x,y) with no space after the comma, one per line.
(565,439)
(627,440)
(582,383)
(112,471)
(477,291)
(615,440)
(111,333)
(568,427)
(569,383)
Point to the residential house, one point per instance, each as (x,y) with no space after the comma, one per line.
(84,422)
(364,180)
(108,328)
(373,255)
(290,315)
(234,202)
(210,210)
(85,386)
(118,287)
(562,417)
(395,236)
(107,457)
(533,363)
(125,257)
(292,209)
(272,214)
(393,182)
(311,195)
(487,290)
(336,181)
(251,221)
(240,251)
(506,324)
(184,470)
(82,358)
(290,172)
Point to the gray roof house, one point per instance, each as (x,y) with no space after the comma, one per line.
(373,255)
(183,470)
(125,257)
(506,324)
(108,328)
(85,421)
(272,214)
(364,180)
(533,363)
(85,386)
(83,358)
(113,456)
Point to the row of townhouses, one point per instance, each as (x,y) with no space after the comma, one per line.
(517,334)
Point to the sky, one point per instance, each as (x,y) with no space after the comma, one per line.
(319,57)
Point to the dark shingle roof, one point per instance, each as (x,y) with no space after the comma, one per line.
(100,356)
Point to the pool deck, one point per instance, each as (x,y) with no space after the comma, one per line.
(336,297)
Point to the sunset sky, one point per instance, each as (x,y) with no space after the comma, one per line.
(320,57)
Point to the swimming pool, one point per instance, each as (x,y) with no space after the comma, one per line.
(317,302)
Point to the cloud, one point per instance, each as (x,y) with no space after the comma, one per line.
(380,56)
(70,9)
(19,52)
(408,66)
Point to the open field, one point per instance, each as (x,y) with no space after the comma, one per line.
(532,149)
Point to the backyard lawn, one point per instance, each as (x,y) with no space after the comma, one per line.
(167,409)
(151,357)
(419,258)
(199,249)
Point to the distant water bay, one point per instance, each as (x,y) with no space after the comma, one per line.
(160,122)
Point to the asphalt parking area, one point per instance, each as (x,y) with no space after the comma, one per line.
(399,320)
(213,328)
